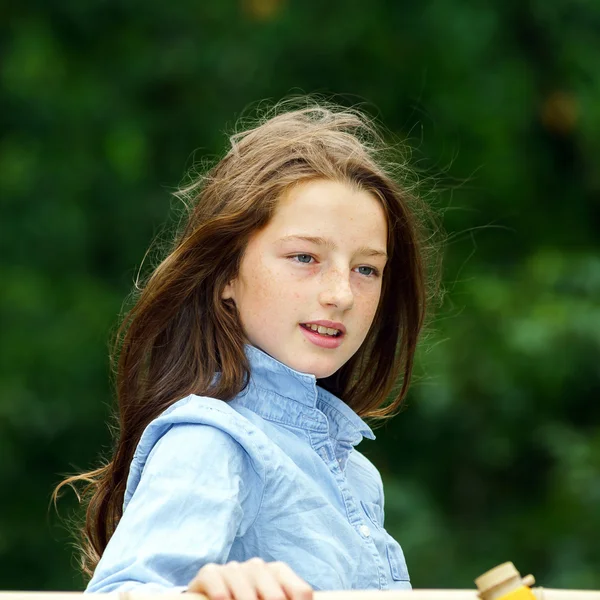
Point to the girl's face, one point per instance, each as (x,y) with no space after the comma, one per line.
(319,259)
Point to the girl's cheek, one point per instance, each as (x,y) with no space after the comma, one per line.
(368,306)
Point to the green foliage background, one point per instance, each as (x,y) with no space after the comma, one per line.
(103,104)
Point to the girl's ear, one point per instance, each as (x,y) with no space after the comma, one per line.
(228,292)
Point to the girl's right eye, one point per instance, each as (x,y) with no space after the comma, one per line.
(301,258)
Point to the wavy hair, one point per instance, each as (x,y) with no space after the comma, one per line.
(179,332)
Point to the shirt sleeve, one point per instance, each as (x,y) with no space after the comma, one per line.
(198,490)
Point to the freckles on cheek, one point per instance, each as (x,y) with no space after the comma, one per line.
(269,294)
(368,310)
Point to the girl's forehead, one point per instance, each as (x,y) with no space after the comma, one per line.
(329,201)
(330,211)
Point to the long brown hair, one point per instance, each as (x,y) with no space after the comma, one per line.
(180,332)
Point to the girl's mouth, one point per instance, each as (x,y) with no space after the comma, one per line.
(323,340)
(324,331)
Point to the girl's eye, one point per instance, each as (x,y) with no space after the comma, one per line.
(303,258)
(306,259)
(372,272)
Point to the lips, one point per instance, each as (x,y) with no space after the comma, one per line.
(329,324)
(308,328)
(328,342)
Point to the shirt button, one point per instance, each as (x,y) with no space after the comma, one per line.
(364,531)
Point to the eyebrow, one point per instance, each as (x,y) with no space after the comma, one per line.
(330,244)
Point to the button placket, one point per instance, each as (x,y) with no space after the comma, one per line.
(323,454)
(327,453)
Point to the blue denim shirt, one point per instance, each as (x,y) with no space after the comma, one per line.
(272,473)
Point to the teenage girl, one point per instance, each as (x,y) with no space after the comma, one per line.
(285,312)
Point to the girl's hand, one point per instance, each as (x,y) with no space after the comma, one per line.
(254,579)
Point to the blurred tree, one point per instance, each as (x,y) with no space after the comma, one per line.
(103,103)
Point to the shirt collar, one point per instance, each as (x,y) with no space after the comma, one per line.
(268,374)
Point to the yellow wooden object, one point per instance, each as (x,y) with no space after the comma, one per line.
(504,582)
(521,593)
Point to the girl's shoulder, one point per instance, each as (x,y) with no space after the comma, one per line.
(196,427)
(203,410)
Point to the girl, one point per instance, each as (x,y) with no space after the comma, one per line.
(288,307)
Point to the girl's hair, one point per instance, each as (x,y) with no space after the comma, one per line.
(180,332)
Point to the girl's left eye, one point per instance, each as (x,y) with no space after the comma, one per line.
(372,271)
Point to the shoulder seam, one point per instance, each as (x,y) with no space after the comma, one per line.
(257,448)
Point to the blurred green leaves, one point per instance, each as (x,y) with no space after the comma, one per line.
(103,106)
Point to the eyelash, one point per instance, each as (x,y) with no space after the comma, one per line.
(374,271)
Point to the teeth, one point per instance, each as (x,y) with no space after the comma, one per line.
(323,330)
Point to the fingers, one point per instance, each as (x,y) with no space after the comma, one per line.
(294,586)
(252,580)
(266,585)
(210,582)
(240,582)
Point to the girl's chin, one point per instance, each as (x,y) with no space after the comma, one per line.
(319,371)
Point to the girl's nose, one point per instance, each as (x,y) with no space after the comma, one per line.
(336,291)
